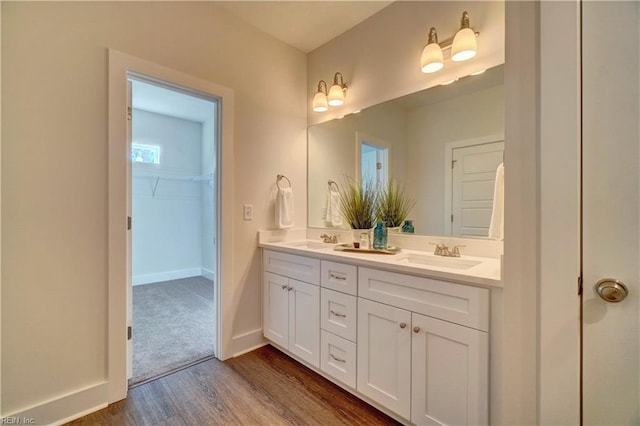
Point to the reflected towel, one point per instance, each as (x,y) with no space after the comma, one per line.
(333,216)
(496,229)
(285,215)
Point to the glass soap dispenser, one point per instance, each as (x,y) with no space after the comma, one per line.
(380,236)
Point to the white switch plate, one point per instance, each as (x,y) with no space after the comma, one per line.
(247,212)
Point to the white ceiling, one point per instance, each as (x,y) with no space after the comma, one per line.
(305,25)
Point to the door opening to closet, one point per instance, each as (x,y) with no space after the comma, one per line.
(173,138)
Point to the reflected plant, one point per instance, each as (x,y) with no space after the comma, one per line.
(393,204)
(358,202)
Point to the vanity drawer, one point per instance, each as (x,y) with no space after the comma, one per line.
(292,266)
(460,304)
(339,277)
(338,358)
(338,313)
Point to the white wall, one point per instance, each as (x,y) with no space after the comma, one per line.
(208,191)
(167,225)
(380,57)
(429,129)
(54,212)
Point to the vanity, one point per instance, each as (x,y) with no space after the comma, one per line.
(409,333)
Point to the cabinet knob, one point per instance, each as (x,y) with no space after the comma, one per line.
(416,329)
(289,288)
(403,324)
(284,286)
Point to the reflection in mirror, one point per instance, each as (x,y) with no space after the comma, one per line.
(443,144)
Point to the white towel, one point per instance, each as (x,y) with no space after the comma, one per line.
(285,215)
(333,214)
(496,229)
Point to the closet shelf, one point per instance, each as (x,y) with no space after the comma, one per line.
(201,178)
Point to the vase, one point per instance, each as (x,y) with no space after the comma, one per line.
(408,227)
(380,236)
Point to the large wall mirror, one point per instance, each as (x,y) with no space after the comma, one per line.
(443,144)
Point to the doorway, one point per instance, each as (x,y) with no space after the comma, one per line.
(372,158)
(173,250)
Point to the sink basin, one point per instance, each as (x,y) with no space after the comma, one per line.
(438,261)
(310,244)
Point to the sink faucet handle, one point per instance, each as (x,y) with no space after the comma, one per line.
(440,250)
(455,251)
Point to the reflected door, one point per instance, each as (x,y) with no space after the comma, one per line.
(611,231)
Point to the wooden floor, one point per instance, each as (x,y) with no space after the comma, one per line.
(263,387)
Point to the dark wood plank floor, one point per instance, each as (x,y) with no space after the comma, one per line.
(263,387)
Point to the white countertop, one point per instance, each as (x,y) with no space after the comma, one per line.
(486,273)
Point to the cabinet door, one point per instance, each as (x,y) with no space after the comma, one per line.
(304,321)
(276,309)
(449,365)
(384,355)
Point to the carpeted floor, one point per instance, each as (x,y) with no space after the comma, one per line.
(173,325)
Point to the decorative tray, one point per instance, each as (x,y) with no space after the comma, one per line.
(350,247)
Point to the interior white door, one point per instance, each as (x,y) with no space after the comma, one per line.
(611,231)
(473,175)
(304,321)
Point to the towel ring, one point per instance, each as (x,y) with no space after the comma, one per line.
(279,178)
(330,182)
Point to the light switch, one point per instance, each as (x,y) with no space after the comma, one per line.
(247,212)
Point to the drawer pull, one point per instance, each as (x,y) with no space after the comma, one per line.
(416,329)
(338,314)
(337,277)
(336,358)
(403,325)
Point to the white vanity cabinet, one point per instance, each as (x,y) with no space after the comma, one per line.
(415,346)
(291,307)
(431,371)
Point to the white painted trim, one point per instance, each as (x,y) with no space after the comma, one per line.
(66,408)
(119,65)
(448,157)
(208,274)
(246,342)
(560,134)
(0,219)
(166,276)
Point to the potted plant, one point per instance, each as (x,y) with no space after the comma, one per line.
(394,205)
(358,204)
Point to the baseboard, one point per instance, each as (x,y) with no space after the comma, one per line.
(166,276)
(246,342)
(63,409)
(208,274)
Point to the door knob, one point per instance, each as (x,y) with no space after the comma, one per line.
(611,290)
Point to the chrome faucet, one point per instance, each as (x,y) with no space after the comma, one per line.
(443,250)
(329,238)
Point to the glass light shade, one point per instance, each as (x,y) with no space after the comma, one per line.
(320,102)
(336,95)
(464,45)
(432,59)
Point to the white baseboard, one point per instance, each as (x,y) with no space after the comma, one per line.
(65,408)
(208,273)
(246,342)
(166,276)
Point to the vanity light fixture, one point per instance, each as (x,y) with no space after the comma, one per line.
(337,91)
(432,59)
(464,42)
(320,98)
(463,46)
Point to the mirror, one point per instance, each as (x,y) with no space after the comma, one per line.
(443,144)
